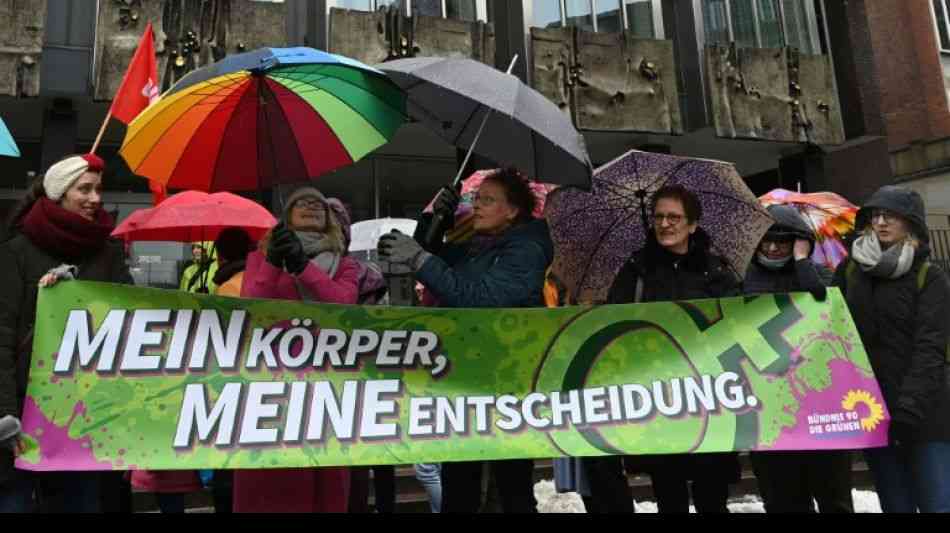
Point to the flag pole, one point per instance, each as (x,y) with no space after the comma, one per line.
(102,131)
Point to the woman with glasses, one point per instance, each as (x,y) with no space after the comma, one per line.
(899,303)
(790,481)
(502,266)
(675,264)
(302,258)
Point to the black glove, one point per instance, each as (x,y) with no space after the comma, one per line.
(447,201)
(287,245)
(402,249)
(819,294)
(274,251)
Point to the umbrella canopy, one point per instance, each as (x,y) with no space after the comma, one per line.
(829,216)
(463,228)
(524,129)
(274,115)
(595,233)
(365,235)
(194,216)
(7,146)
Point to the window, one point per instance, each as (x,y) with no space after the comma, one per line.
(762,23)
(642,17)
(454,9)
(942,16)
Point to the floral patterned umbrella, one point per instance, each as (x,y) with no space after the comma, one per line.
(829,215)
(463,229)
(595,232)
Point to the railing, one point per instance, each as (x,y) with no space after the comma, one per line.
(940,244)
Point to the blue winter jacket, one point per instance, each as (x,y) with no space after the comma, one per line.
(509,273)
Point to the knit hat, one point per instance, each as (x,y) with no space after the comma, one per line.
(299,194)
(61,176)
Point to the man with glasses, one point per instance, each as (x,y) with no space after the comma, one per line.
(790,481)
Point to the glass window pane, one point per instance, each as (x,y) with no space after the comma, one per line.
(715,22)
(743,23)
(797,29)
(609,17)
(461,9)
(942,25)
(546,14)
(432,8)
(640,18)
(362,5)
(770,24)
(579,14)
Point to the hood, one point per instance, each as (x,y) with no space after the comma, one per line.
(537,231)
(903,201)
(789,222)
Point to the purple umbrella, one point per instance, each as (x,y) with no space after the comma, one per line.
(595,232)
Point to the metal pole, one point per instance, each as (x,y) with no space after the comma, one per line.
(481,128)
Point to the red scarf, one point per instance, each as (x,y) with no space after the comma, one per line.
(63,234)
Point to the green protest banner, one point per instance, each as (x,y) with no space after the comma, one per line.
(125,377)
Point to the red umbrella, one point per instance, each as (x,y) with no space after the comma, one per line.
(195,216)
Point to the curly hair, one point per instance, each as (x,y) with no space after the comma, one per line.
(517,191)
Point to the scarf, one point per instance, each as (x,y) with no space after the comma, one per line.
(891,263)
(320,251)
(64,234)
(772,264)
(229,270)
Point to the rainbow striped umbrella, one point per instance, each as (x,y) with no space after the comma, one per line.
(254,120)
(829,215)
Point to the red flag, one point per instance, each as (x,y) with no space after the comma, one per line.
(140,85)
(139,89)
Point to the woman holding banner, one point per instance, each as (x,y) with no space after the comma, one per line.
(59,231)
(791,482)
(898,300)
(675,264)
(502,266)
(302,258)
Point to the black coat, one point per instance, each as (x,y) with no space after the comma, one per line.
(906,331)
(24,264)
(905,327)
(668,277)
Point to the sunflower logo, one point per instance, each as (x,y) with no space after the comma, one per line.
(875,409)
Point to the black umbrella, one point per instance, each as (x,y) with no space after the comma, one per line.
(477,107)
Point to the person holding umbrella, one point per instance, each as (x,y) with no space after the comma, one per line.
(675,264)
(504,265)
(898,300)
(302,258)
(59,232)
(789,481)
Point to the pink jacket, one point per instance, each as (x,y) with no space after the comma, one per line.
(264,280)
(302,490)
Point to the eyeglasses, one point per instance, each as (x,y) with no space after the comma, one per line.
(674,220)
(887,215)
(486,201)
(309,204)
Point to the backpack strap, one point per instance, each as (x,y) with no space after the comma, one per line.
(922,276)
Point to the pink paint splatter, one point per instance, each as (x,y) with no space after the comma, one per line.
(58,451)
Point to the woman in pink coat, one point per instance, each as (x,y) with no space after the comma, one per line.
(302,258)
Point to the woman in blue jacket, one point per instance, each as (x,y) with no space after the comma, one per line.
(502,266)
